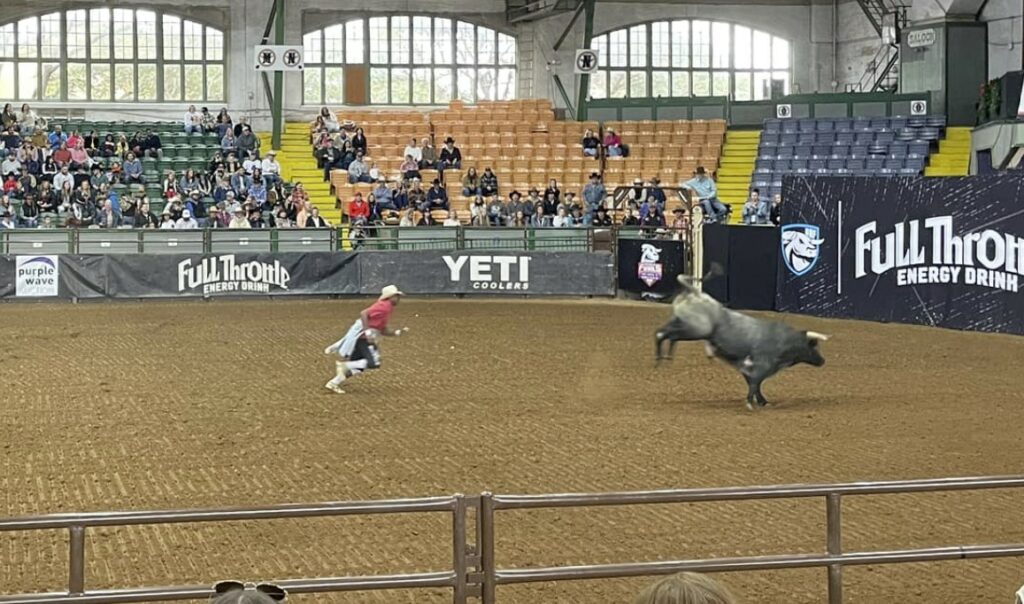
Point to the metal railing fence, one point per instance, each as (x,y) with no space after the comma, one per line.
(474,572)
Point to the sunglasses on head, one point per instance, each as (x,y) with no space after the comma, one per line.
(275,592)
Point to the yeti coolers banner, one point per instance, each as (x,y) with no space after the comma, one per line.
(650,266)
(498,273)
(947,252)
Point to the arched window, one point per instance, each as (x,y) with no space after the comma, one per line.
(111,54)
(410,60)
(690,57)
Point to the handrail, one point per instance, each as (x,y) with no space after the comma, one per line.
(474,572)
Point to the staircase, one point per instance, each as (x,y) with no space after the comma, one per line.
(737,166)
(954,155)
(299,165)
(882,72)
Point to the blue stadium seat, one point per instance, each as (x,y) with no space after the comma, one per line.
(843,125)
(845,137)
(825,125)
(894,163)
(783,165)
(885,136)
(802,151)
(790,126)
(874,163)
(807,125)
(898,123)
(821,150)
(862,124)
(798,164)
(763,165)
(865,138)
(855,164)
(836,164)
(840,151)
(898,150)
(805,138)
(818,164)
(785,153)
(788,138)
(768,138)
(826,138)
(859,151)
(876,149)
(880,123)
(918,149)
(936,121)
(910,172)
(772,125)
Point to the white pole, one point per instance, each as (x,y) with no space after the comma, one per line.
(839,251)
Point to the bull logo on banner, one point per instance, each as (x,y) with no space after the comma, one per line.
(801,246)
(649,269)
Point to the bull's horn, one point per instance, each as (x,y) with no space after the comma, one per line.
(813,335)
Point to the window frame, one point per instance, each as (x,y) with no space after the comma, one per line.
(616,57)
(116,57)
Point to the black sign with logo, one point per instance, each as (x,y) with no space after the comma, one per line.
(650,266)
(947,252)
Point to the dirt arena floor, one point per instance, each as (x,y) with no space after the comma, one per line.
(176,405)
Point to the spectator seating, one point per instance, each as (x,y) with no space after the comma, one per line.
(879,146)
(520,141)
(387,134)
(670,150)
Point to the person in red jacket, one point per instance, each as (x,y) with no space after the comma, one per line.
(359,210)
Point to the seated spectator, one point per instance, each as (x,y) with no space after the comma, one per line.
(224,123)
(10,142)
(569,203)
(578,219)
(410,168)
(562,219)
(452,220)
(450,157)
(653,219)
(152,146)
(656,195)
(437,197)
(416,196)
(680,223)
(630,219)
(539,219)
(47,198)
(193,121)
(271,169)
(108,148)
(756,210)
(282,221)
(478,212)
(251,164)
(357,236)
(496,215)
(532,202)
(123,147)
(636,196)
(408,219)
(133,172)
(613,143)
(144,218)
(488,183)
(470,183)
(315,221)
(412,150)
(11,166)
(196,207)
(685,588)
(29,121)
(518,219)
(91,143)
(426,219)
(256,219)
(550,204)
(28,215)
(385,199)
(239,221)
(107,218)
(359,142)
(329,120)
(208,120)
(228,142)
(591,144)
(166,220)
(62,156)
(775,212)
(80,159)
(8,118)
(359,209)
(246,142)
(57,138)
(7,220)
(358,171)
(703,187)
(299,194)
(374,172)
(514,206)
(400,195)
(553,188)
(428,154)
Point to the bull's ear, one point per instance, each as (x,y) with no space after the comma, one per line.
(815,336)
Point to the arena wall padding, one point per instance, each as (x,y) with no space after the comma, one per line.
(135,276)
(946,252)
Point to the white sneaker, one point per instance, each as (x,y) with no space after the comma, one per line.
(333,348)
(334,388)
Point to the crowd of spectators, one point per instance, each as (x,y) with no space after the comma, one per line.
(53,178)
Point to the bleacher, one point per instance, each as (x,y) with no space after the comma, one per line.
(879,146)
(670,150)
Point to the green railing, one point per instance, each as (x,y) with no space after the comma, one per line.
(211,241)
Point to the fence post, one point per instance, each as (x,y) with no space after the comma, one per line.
(459,549)
(76,563)
(487,590)
(833,514)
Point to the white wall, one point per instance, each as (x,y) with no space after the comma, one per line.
(1004,36)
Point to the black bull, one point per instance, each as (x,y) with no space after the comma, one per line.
(757,348)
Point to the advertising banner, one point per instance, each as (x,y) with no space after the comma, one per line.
(650,266)
(947,252)
(467,272)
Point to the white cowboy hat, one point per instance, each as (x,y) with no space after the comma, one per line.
(390,291)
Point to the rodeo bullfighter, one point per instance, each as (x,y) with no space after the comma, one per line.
(757,348)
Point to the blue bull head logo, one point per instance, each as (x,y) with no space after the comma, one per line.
(801,246)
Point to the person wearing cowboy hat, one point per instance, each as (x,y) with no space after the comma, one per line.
(359,349)
(239,221)
(271,169)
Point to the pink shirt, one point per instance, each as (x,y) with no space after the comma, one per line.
(379,313)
